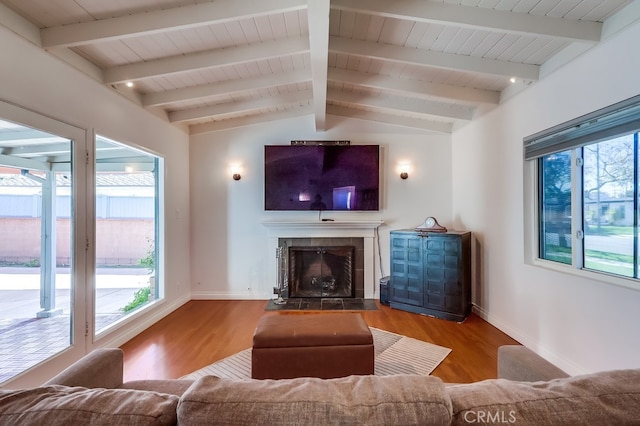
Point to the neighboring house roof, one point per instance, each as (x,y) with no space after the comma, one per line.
(102,180)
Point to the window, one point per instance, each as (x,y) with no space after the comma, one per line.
(128,222)
(588,179)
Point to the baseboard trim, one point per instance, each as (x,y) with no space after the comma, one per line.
(138,324)
(222,295)
(530,342)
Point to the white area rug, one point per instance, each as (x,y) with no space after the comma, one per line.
(394,354)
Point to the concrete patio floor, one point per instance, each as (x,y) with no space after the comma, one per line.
(26,340)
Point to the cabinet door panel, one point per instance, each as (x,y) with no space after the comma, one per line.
(435,301)
(451,261)
(453,288)
(434,260)
(407,270)
(450,274)
(435,287)
(435,244)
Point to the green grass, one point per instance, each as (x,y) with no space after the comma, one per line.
(604,255)
(612,263)
(608,230)
(625,271)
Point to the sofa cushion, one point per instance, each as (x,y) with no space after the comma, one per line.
(352,400)
(606,398)
(64,406)
(171,386)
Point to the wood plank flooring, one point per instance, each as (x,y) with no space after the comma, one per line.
(204,331)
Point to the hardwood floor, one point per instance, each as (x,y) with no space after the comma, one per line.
(202,332)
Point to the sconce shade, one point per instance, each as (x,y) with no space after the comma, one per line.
(236,176)
(404,175)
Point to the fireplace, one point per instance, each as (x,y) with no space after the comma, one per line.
(322,271)
(361,234)
(322,267)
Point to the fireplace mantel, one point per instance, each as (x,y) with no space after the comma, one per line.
(318,228)
(365,229)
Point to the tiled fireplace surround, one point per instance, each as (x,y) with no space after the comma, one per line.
(360,234)
(294,244)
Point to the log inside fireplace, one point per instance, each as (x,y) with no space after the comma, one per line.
(321,271)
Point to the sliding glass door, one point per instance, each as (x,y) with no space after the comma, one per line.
(41,297)
(80,241)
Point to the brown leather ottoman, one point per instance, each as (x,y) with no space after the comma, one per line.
(311,345)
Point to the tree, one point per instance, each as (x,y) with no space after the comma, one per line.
(609,166)
(608,169)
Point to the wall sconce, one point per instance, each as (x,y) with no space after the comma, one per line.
(404,169)
(236,171)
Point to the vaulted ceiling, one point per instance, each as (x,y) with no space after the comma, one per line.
(211,65)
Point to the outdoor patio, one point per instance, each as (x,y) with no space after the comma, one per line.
(26,340)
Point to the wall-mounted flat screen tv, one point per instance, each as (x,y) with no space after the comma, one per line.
(321,177)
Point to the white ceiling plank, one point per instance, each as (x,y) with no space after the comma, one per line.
(249,120)
(415,88)
(221,111)
(210,59)
(278,25)
(388,103)
(231,88)
(449,61)
(318,13)
(163,20)
(476,17)
(436,126)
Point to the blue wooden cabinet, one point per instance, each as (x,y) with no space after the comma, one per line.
(431,273)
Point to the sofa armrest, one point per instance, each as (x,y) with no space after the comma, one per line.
(518,363)
(101,368)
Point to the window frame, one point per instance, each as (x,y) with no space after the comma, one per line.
(532,198)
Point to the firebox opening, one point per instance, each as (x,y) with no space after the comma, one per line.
(321,271)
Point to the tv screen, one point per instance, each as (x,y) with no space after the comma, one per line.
(321,177)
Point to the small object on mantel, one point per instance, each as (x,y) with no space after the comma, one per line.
(431,225)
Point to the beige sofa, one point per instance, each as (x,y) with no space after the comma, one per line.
(530,391)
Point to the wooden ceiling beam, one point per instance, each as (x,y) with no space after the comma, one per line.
(236,87)
(477,18)
(163,20)
(248,120)
(318,16)
(209,59)
(428,58)
(229,109)
(414,88)
(402,105)
(416,123)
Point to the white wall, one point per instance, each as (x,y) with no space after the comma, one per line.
(229,256)
(581,324)
(37,81)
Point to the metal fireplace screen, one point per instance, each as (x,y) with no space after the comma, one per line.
(321,271)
